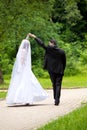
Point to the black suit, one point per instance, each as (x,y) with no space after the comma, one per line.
(55,62)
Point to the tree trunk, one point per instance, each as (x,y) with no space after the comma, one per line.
(1,77)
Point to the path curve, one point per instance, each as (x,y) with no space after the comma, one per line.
(32,117)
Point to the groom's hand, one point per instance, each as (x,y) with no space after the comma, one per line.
(32,35)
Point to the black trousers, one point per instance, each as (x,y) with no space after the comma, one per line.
(56,83)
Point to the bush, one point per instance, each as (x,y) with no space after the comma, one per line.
(39,72)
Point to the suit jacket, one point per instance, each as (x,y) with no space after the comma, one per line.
(55,58)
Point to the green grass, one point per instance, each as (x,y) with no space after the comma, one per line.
(79,81)
(68,82)
(3,94)
(45,82)
(76,120)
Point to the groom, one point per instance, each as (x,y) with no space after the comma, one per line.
(55,63)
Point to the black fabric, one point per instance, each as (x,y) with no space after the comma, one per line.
(57,82)
(55,58)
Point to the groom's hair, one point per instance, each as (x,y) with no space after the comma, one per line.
(53,41)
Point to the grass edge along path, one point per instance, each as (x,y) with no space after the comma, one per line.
(75,120)
(79,81)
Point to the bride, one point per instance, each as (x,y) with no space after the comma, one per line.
(24,87)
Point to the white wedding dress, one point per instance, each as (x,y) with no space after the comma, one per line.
(24,87)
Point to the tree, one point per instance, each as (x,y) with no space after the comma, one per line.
(67,12)
(17,19)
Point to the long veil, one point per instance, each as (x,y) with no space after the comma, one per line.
(24,86)
(21,65)
(23,58)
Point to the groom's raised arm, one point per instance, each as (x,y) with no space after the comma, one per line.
(38,40)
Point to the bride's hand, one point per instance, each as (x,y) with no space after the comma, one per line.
(32,35)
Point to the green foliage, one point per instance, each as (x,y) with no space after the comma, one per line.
(63,20)
(72,14)
(66,11)
(39,72)
(21,17)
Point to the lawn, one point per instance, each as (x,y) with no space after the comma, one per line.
(3,94)
(76,120)
(79,81)
(68,82)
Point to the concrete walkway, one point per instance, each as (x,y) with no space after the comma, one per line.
(32,117)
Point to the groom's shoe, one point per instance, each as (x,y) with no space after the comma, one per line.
(57,103)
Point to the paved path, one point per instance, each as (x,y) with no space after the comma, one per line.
(32,117)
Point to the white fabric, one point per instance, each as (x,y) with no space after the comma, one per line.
(24,86)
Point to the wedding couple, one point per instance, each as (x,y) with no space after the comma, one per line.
(24,87)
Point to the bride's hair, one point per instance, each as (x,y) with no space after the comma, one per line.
(25,46)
